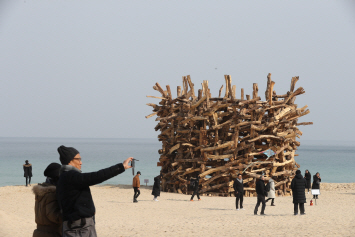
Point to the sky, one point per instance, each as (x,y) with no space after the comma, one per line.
(84,68)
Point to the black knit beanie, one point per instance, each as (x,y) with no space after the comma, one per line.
(52,170)
(66,154)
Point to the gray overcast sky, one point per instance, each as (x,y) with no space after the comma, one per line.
(84,68)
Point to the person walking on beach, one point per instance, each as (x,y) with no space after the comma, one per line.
(271,193)
(261,192)
(74,195)
(308,178)
(298,186)
(239,191)
(136,186)
(194,183)
(156,187)
(27,169)
(316,183)
(47,212)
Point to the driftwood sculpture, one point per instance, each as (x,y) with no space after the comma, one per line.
(219,137)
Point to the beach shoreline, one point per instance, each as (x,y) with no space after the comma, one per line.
(175,215)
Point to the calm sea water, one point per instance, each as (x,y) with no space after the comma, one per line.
(334,163)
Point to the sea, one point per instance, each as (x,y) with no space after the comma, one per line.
(333,160)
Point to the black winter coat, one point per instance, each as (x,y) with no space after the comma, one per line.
(260,188)
(316,182)
(156,187)
(298,186)
(27,169)
(197,183)
(308,178)
(238,187)
(73,192)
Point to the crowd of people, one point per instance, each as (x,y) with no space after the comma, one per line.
(64,205)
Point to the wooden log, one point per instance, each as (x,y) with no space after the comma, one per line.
(305,123)
(224,145)
(174,148)
(216,187)
(151,115)
(255,90)
(158,88)
(156,97)
(219,157)
(265,137)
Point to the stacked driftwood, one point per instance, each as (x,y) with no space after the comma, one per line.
(220,137)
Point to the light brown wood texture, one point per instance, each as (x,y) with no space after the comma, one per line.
(216,138)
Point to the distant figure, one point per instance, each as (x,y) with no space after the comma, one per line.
(74,195)
(27,168)
(316,183)
(261,191)
(136,186)
(156,187)
(194,183)
(47,212)
(298,186)
(239,191)
(271,193)
(308,178)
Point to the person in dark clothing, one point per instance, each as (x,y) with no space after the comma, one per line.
(156,187)
(316,183)
(136,186)
(298,186)
(195,186)
(239,191)
(47,212)
(73,192)
(27,169)
(261,192)
(308,178)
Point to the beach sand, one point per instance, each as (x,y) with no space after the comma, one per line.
(175,215)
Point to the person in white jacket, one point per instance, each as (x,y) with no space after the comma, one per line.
(271,193)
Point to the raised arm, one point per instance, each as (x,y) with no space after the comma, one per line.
(93,178)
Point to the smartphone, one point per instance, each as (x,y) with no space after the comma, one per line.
(133,163)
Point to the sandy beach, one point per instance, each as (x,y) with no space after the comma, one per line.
(175,215)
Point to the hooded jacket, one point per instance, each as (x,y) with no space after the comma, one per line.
(260,188)
(27,169)
(156,187)
(308,178)
(298,186)
(47,211)
(316,182)
(74,193)
(238,186)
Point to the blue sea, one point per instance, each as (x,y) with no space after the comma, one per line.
(335,163)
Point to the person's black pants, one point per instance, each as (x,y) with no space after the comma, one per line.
(261,199)
(239,197)
(272,200)
(295,207)
(28,180)
(137,192)
(195,193)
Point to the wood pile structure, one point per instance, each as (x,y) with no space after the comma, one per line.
(216,138)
